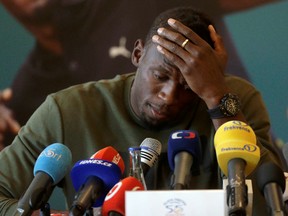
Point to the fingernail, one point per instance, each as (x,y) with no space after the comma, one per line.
(160,49)
(212,28)
(155,38)
(160,30)
(171,21)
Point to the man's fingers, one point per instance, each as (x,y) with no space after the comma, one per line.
(218,47)
(218,43)
(186,31)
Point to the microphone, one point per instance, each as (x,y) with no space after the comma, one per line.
(237,156)
(93,178)
(183,151)
(50,168)
(271,182)
(150,151)
(110,154)
(114,204)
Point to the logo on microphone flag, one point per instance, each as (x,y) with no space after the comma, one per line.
(183,135)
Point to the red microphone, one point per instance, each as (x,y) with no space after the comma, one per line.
(114,203)
(110,154)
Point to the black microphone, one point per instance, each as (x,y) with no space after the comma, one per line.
(183,151)
(50,168)
(271,182)
(150,151)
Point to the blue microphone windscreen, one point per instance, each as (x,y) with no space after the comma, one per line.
(107,171)
(183,140)
(54,160)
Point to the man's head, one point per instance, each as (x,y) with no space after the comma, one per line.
(190,17)
(160,96)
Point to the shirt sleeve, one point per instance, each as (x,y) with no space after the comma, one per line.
(18,159)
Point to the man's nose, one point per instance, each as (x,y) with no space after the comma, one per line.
(168,93)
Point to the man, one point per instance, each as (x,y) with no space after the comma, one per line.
(180,75)
(83,40)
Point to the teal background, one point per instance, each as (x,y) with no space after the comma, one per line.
(260,35)
(15,43)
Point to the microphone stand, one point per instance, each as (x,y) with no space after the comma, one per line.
(273,195)
(45,210)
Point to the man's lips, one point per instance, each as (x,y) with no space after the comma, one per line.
(158,112)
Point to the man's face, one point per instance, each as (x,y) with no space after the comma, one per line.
(160,95)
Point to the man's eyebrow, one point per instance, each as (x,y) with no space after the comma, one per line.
(170,64)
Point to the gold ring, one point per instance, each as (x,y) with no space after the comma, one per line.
(184,43)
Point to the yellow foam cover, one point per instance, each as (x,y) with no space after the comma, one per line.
(236,139)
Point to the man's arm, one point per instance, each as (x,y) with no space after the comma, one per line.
(36,17)
(18,159)
(203,69)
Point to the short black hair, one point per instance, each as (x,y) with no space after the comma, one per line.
(189,16)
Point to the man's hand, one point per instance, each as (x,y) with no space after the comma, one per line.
(7,121)
(219,50)
(201,65)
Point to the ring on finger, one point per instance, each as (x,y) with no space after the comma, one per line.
(184,43)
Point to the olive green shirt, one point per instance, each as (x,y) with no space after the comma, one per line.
(91,116)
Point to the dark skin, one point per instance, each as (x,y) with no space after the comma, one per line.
(160,91)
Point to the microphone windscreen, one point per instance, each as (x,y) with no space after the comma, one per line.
(184,140)
(234,131)
(110,154)
(236,139)
(270,173)
(115,199)
(100,165)
(150,151)
(54,160)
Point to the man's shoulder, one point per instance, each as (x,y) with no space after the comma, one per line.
(95,88)
(118,78)
(236,82)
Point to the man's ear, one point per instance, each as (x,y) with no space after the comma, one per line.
(137,52)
